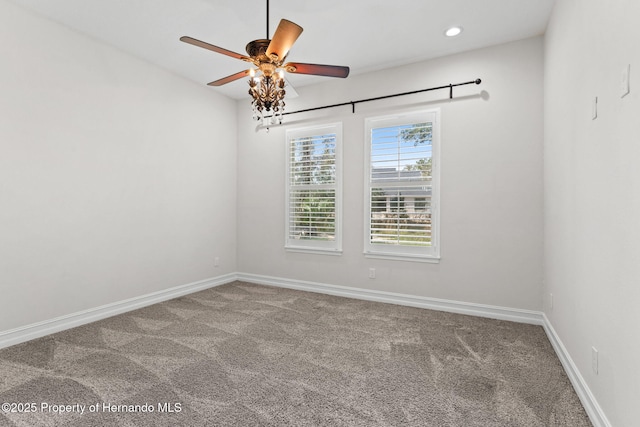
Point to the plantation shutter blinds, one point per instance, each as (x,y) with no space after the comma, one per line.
(313,189)
(401,192)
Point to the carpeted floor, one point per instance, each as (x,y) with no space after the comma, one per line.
(250,355)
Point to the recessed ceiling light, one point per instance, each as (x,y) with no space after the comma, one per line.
(453,31)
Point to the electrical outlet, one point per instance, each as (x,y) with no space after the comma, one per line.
(216,262)
(372,273)
(594,360)
(624,82)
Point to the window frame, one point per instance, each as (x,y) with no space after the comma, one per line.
(323,247)
(404,252)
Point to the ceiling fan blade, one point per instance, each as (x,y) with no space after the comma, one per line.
(217,49)
(229,79)
(317,69)
(285,36)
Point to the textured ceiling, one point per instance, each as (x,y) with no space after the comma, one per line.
(365,35)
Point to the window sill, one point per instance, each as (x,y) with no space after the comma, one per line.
(430,259)
(316,251)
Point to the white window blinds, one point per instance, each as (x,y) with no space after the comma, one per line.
(401,195)
(314,189)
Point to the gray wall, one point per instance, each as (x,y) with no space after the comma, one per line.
(592,196)
(117,179)
(491,180)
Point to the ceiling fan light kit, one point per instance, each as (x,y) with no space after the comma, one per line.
(266,80)
(268,93)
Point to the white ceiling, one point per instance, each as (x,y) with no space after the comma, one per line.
(365,35)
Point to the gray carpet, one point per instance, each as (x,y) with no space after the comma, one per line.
(250,355)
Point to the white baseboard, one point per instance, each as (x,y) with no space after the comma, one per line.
(472,309)
(591,406)
(40,329)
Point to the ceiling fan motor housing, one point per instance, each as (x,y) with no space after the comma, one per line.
(258,49)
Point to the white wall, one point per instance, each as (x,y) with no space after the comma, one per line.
(117,179)
(491,180)
(592,196)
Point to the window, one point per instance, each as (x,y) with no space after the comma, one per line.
(314,189)
(401,200)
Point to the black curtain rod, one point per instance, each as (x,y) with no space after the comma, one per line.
(353,103)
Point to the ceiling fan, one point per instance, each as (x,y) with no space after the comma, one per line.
(268,56)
